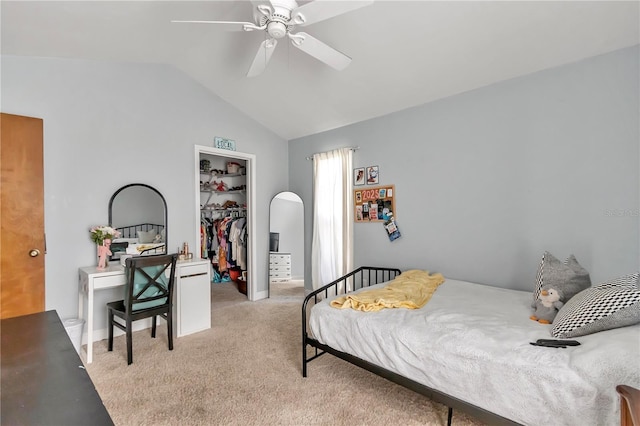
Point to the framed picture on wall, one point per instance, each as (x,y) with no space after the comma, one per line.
(358,176)
(372,175)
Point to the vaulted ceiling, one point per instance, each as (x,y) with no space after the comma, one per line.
(404,53)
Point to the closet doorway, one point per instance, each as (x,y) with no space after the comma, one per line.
(225,185)
(286,245)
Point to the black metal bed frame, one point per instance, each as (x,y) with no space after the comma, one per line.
(366,276)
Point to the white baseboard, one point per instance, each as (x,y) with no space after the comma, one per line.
(103,333)
(261,295)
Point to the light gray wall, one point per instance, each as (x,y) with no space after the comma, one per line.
(109,124)
(487,180)
(287,218)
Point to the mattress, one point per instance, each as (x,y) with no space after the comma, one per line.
(472,342)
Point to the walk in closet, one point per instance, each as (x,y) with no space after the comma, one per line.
(224,207)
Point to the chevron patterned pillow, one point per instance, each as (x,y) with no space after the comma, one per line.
(631,280)
(612,304)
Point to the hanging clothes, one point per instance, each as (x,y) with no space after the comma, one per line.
(238,252)
(204,252)
(227,245)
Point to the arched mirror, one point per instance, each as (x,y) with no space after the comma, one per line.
(139,212)
(286,245)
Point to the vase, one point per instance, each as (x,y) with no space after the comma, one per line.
(103,254)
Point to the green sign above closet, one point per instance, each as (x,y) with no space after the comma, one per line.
(223,143)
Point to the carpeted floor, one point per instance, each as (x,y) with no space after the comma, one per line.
(246,370)
(287,289)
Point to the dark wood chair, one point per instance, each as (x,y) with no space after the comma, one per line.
(629,405)
(148,294)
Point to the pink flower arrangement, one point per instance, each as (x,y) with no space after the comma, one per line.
(101,233)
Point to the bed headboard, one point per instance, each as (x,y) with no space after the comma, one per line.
(132,231)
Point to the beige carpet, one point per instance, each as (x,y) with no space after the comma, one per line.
(292,288)
(246,370)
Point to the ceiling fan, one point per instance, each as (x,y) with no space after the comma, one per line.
(279,17)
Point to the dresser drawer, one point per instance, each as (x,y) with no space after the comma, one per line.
(280,274)
(280,268)
(279,259)
(189,270)
(109,281)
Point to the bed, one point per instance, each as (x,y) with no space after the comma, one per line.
(469,349)
(139,240)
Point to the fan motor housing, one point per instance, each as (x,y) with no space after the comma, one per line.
(276,29)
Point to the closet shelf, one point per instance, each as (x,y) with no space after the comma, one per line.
(221,175)
(235,191)
(223,209)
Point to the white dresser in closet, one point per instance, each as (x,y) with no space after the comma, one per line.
(279,266)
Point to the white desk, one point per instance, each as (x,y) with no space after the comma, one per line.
(193,285)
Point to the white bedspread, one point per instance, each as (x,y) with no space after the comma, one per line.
(472,342)
(147,248)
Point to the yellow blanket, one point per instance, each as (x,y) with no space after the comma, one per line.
(411,289)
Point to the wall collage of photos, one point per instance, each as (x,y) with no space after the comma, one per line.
(374,203)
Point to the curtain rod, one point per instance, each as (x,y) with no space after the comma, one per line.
(352,148)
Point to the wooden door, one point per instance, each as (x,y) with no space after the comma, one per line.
(21,216)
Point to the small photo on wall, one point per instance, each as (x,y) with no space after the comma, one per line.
(358,176)
(373,212)
(372,175)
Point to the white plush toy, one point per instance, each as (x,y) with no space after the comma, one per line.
(547,306)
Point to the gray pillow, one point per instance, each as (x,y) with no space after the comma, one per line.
(568,277)
(612,304)
(145,237)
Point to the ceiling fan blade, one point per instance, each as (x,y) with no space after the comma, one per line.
(319,10)
(320,51)
(262,57)
(230,25)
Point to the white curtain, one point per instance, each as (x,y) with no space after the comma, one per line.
(332,246)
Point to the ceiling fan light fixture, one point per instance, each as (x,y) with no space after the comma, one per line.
(276,29)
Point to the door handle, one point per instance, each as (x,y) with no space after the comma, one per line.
(34,253)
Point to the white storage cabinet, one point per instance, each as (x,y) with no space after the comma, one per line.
(192,308)
(279,266)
